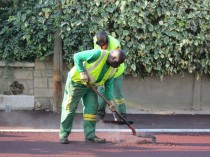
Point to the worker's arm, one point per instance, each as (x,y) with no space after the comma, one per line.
(108,93)
(108,85)
(90,56)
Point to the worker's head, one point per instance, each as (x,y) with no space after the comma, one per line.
(116,58)
(101,38)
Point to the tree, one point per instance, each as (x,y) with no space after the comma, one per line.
(57,66)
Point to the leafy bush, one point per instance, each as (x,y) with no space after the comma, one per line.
(25,32)
(160,37)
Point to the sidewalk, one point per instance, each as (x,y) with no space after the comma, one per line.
(50,120)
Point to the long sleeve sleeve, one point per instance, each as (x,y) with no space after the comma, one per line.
(90,56)
(108,85)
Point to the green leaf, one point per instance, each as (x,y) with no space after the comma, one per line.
(97,3)
(133,66)
(150,28)
(109,9)
(122,7)
(23,18)
(129,44)
(166,40)
(145,4)
(127,38)
(125,32)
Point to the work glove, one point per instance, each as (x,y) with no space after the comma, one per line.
(84,76)
(112,106)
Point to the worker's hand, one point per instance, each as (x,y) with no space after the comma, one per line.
(84,76)
(112,106)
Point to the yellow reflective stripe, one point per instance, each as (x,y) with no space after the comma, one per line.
(88,70)
(89,117)
(98,61)
(88,73)
(68,103)
(120,70)
(112,72)
(108,75)
(90,77)
(119,101)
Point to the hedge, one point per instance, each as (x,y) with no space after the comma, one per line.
(160,37)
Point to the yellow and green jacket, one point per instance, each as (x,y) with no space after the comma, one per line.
(113,44)
(99,73)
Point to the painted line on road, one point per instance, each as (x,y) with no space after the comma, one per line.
(113,130)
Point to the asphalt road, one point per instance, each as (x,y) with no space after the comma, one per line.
(14,142)
(50,120)
(119,145)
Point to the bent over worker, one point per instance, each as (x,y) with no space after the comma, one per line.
(96,67)
(107,42)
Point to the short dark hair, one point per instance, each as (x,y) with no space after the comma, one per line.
(103,33)
(122,55)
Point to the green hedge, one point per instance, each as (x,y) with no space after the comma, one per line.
(160,37)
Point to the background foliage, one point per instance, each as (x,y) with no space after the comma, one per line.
(160,37)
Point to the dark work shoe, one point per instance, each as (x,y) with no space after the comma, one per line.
(95,140)
(64,141)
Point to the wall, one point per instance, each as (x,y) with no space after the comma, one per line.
(37,81)
(43,83)
(24,74)
(173,95)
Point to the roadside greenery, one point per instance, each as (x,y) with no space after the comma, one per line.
(160,37)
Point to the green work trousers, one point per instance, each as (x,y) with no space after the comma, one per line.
(74,92)
(118,98)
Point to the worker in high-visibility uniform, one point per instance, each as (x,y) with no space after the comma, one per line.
(96,67)
(107,42)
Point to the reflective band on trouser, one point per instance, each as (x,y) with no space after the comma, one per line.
(69,100)
(119,101)
(89,117)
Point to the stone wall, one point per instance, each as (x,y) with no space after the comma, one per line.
(175,94)
(37,80)
(23,73)
(43,83)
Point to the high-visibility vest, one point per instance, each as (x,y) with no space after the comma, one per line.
(93,71)
(113,44)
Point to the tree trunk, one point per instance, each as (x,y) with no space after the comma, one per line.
(57,72)
(57,66)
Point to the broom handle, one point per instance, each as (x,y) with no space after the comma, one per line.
(114,111)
